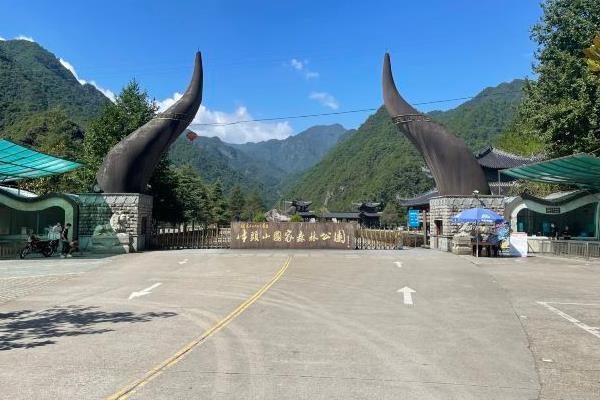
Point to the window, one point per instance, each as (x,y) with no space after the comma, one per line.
(580,222)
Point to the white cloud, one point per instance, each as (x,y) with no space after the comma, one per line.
(168,102)
(2,39)
(23,37)
(296,64)
(325,99)
(300,66)
(107,92)
(71,68)
(237,133)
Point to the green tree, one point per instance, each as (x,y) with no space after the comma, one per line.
(164,188)
(237,202)
(218,206)
(561,109)
(259,217)
(254,206)
(296,218)
(192,195)
(390,215)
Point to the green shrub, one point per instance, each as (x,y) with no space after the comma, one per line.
(296,218)
(260,217)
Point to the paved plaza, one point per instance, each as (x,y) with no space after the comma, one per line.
(192,324)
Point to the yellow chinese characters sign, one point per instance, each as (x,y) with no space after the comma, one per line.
(292,235)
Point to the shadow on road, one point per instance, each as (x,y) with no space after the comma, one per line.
(26,329)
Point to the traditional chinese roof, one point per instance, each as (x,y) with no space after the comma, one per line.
(342,215)
(420,200)
(491,157)
(367,207)
(371,214)
(302,203)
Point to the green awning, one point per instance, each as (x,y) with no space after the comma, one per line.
(581,170)
(19,162)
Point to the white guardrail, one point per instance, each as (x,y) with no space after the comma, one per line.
(571,248)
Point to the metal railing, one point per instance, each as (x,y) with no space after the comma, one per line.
(386,239)
(168,238)
(10,249)
(571,248)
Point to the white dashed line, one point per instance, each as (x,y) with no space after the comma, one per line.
(589,329)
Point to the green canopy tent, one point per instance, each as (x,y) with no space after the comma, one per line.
(22,215)
(18,162)
(582,170)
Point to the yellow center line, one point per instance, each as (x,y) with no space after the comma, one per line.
(169,362)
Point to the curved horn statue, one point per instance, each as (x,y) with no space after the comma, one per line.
(128,166)
(453,166)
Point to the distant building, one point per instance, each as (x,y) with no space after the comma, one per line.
(300,207)
(366,214)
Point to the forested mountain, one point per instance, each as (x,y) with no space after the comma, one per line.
(482,119)
(33,80)
(378,163)
(215,160)
(263,166)
(296,153)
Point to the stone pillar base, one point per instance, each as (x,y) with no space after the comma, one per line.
(443,208)
(114,222)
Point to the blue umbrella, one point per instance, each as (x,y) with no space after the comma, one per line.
(477,215)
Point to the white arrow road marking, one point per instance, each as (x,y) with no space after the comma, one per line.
(407,292)
(183,262)
(398,264)
(144,292)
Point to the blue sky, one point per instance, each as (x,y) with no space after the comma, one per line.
(278,58)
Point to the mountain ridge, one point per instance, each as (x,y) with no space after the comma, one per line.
(263,166)
(34,80)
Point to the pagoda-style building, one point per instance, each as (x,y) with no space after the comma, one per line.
(301,208)
(492,161)
(366,214)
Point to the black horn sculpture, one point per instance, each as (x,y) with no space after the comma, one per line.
(453,166)
(128,166)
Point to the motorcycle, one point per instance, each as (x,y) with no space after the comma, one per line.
(35,245)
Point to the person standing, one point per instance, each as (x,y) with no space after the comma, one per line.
(56,231)
(64,239)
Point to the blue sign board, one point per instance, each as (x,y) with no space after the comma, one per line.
(413,219)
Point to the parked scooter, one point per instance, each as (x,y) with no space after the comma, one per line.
(35,245)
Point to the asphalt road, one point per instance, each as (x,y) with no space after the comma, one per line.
(299,325)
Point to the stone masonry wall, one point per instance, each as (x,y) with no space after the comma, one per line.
(443,208)
(97,209)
